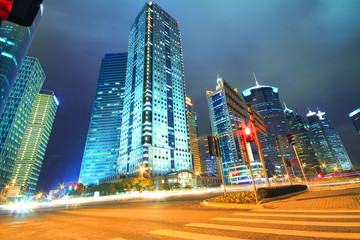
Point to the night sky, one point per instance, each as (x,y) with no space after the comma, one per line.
(310,50)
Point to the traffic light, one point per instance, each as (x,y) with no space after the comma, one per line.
(211,145)
(291,139)
(288,163)
(22,12)
(249,135)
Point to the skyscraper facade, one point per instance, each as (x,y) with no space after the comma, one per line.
(15,41)
(16,114)
(33,145)
(154,131)
(192,125)
(304,144)
(103,140)
(355,118)
(328,142)
(224,124)
(265,100)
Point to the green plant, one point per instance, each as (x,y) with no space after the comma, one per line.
(269,192)
(241,197)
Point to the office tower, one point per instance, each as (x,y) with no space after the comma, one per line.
(103,140)
(15,41)
(224,124)
(33,145)
(328,143)
(265,100)
(192,125)
(355,118)
(16,114)
(304,144)
(154,132)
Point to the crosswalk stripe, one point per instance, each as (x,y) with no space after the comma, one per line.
(339,235)
(297,215)
(118,239)
(189,235)
(308,223)
(306,211)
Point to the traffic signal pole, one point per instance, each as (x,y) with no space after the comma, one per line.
(282,157)
(302,169)
(218,151)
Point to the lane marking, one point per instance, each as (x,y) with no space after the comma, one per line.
(307,211)
(189,235)
(339,235)
(118,239)
(297,215)
(292,222)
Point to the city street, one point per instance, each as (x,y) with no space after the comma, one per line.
(185,218)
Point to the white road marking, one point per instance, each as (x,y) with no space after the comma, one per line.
(292,222)
(339,235)
(306,211)
(297,215)
(189,235)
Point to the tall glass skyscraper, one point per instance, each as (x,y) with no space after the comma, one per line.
(103,140)
(16,114)
(192,124)
(33,145)
(15,41)
(154,132)
(299,128)
(224,124)
(355,118)
(328,142)
(265,100)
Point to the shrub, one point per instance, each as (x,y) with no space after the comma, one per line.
(268,192)
(241,197)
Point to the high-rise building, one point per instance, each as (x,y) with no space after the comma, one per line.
(16,114)
(15,41)
(33,145)
(103,140)
(192,125)
(328,143)
(154,131)
(265,100)
(304,144)
(355,118)
(224,125)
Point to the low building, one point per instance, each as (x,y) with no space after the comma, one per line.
(240,174)
(113,178)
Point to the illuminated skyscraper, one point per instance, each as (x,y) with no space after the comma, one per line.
(299,129)
(15,41)
(355,118)
(328,142)
(192,124)
(224,124)
(16,114)
(33,145)
(154,130)
(265,100)
(103,140)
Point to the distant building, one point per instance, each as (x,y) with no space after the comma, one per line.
(113,178)
(15,41)
(103,140)
(328,143)
(355,118)
(154,131)
(240,174)
(210,165)
(192,125)
(33,145)
(265,100)
(16,114)
(224,125)
(299,129)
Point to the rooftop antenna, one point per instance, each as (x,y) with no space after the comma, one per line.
(257,84)
(218,76)
(285,105)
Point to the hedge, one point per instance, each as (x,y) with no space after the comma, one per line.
(241,197)
(269,192)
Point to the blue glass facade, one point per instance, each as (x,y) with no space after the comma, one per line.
(355,118)
(265,100)
(103,140)
(328,143)
(15,41)
(154,129)
(16,114)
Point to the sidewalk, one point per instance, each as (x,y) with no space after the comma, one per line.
(328,199)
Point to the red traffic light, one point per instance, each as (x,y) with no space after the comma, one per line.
(5,8)
(249,135)
(22,12)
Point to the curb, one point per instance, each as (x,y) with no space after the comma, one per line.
(231,205)
(266,200)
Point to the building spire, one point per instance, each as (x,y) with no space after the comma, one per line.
(257,84)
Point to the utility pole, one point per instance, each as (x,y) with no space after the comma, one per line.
(282,157)
(218,151)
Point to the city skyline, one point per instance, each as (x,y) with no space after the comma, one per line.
(287,66)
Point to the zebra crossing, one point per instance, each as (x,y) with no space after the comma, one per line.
(271,223)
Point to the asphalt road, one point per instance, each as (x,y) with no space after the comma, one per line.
(177,218)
